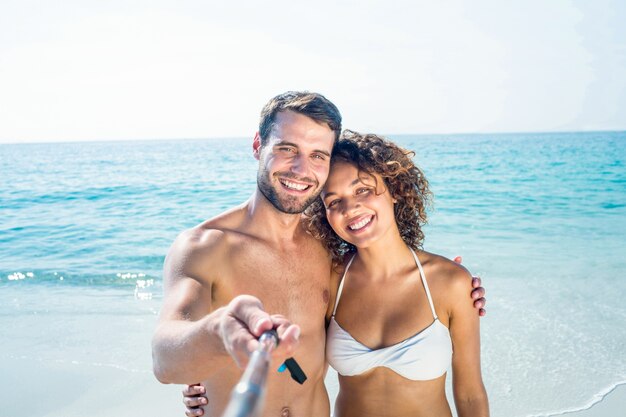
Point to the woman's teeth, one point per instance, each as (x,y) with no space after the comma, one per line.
(360,224)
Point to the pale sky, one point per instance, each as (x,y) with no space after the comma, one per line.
(133,69)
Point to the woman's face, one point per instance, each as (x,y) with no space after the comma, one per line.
(358,205)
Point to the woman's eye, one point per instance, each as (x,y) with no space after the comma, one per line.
(333,203)
(362,190)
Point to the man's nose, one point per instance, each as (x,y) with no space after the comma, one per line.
(300,165)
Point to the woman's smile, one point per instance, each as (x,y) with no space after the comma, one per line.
(358,205)
(360,223)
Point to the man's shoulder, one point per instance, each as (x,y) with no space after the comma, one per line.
(212,232)
(207,242)
(198,239)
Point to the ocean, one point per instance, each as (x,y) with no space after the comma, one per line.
(541,217)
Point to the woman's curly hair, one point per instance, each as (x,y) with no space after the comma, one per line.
(405,181)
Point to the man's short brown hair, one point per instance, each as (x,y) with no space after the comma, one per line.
(312,105)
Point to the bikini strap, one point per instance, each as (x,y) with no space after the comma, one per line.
(423,276)
(343,279)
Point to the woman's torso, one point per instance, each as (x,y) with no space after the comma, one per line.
(388,344)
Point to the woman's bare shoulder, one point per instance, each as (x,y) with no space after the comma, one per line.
(446,273)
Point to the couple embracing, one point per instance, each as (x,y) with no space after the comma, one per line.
(327,251)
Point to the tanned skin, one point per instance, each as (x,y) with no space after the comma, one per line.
(222,277)
(384,302)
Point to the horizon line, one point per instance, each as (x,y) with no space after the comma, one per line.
(199,138)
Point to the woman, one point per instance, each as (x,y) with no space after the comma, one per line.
(400,316)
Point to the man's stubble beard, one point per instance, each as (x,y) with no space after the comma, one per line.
(292,205)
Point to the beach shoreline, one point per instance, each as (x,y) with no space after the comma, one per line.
(70,388)
(609,403)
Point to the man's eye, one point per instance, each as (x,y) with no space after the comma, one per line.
(319,156)
(286,149)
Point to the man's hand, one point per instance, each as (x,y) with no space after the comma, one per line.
(478,292)
(245,320)
(194,397)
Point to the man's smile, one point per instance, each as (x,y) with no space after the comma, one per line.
(293,185)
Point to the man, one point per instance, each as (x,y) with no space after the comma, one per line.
(221,276)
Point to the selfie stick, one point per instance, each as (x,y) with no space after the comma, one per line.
(247,397)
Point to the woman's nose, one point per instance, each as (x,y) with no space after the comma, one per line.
(350,207)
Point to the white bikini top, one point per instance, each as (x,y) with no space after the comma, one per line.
(423,356)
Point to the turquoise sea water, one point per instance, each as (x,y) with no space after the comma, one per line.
(84,228)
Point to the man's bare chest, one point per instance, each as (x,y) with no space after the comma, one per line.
(295,284)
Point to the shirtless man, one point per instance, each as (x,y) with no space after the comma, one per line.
(221,276)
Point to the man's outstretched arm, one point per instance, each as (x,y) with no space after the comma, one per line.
(193,339)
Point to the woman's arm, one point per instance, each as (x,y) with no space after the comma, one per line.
(470,396)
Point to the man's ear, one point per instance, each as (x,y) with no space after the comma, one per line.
(256,146)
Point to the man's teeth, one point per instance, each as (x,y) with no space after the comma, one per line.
(361,224)
(294,186)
